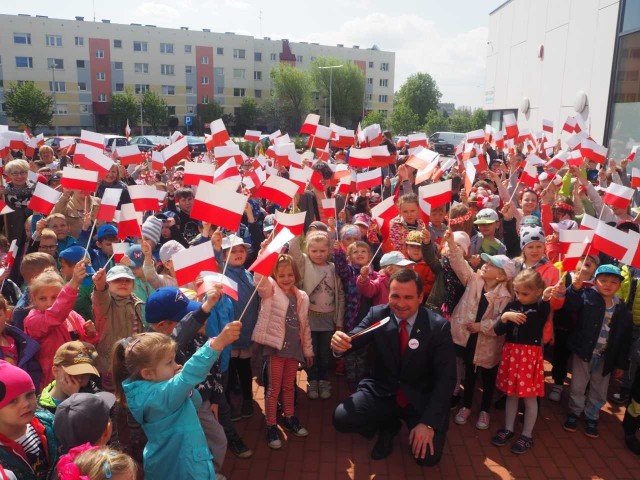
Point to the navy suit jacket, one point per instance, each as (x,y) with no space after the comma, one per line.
(426,373)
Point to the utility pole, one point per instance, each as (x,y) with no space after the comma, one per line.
(141,124)
(330,67)
(55,99)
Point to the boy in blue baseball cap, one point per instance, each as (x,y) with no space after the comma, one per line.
(68,259)
(107,236)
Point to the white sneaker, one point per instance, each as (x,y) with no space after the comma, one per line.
(312,390)
(556,393)
(462,416)
(483,421)
(325,389)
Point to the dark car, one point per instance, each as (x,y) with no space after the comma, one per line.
(445,142)
(148,142)
(54,142)
(196,146)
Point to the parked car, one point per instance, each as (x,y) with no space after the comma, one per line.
(148,142)
(114,141)
(196,146)
(54,142)
(445,142)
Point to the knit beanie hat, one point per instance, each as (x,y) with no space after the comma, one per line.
(13,382)
(530,234)
(151,229)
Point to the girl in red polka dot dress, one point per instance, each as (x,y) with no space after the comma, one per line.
(521,370)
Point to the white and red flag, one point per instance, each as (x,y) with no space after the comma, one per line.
(175,152)
(127,130)
(190,262)
(219,206)
(569,125)
(385,210)
(613,242)
(421,157)
(274,135)
(632,153)
(211,279)
(93,139)
(119,250)
(157,161)
(228,170)
(477,136)
(91,158)
(34,143)
(78,179)
(194,172)
(144,197)
(252,135)
(109,204)
(43,199)
(219,133)
(360,157)
(129,222)
(425,207)
(529,175)
(226,152)
(510,125)
(310,124)
(373,135)
(635,177)
(344,139)
(301,177)
(469,175)
(438,194)
(130,155)
(558,161)
(320,139)
(380,156)
(4,208)
(370,179)
(547,126)
(12,254)
(254,179)
(14,140)
(279,190)
(573,244)
(328,206)
(593,151)
(267,259)
(293,221)
(618,196)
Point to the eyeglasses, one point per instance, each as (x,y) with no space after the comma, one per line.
(17,174)
(48,247)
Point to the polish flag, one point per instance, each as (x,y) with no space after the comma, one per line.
(252,135)
(77,179)
(373,135)
(574,158)
(144,197)
(43,199)
(129,222)
(293,221)
(108,204)
(279,190)
(310,124)
(93,139)
(267,259)
(569,125)
(219,206)
(254,179)
(385,210)
(329,207)
(635,177)
(175,136)
(219,133)
(438,194)
(529,175)
(344,139)
(477,136)
(157,161)
(91,158)
(321,137)
(33,143)
(12,254)
(119,250)
(130,155)
(345,186)
(574,141)
(428,171)
(498,138)
(301,177)
(4,209)
(283,153)
(594,151)
(574,245)
(360,157)
(402,141)
(443,168)
(228,170)
(370,179)
(274,135)
(418,140)
(67,142)
(469,175)
(211,279)
(15,140)
(226,152)
(189,263)
(194,172)
(380,156)
(175,152)
(511,125)
(425,207)
(558,161)
(632,154)
(618,196)
(421,157)
(127,130)
(611,241)
(547,126)
(632,257)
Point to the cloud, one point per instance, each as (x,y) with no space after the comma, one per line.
(239,5)
(156,10)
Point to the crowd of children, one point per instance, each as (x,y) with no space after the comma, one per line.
(110,368)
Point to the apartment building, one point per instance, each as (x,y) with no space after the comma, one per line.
(82,63)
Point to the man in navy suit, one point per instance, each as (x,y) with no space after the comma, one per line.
(413,377)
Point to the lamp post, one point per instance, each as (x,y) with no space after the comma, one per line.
(141,123)
(53,89)
(330,67)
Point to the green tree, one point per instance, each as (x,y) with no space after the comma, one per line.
(207,113)
(460,121)
(436,121)
(123,107)
(270,116)
(375,117)
(247,116)
(479,119)
(347,88)
(292,92)
(420,93)
(26,103)
(404,120)
(154,110)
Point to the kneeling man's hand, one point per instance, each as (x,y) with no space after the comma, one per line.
(340,342)
(421,439)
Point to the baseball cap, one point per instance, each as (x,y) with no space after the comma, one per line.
(134,252)
(564,225)
(608,269)
(76,358)
(13,382)
(233,241)
(394,258)
(168,303)
(503,262)
(486,216)
(414,238)
(120,271)
(73,254)
(530,221)
(82,418)
(361,219)
(107,230)
(169,249)
(268,223)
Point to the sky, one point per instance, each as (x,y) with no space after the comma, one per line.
(445,38)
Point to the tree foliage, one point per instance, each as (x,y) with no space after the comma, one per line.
(404,120)
(375,117)
(435,122)
(123,107)
(292,92)
(270,118)
(420,93)
(207,113)
(26,103)
(346,86)
(247,116)
(154,110)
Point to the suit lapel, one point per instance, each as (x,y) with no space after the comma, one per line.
(393,337)
(420,333)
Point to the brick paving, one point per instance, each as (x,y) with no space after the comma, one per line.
(326,454)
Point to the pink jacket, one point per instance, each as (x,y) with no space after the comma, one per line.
(376,287)
(270,327)
(51,329)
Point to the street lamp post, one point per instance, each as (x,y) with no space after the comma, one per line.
(330,67)
(53,89)
(141,124)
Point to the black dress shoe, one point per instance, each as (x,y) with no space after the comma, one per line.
(384,444)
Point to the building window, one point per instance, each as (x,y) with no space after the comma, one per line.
(384,67)
(82,86)
(239,92)
(22,38)
(99,53)
(61,109)
(188,69)
(139,46)
(382,98)
(239,53)
(204,80)
(315,95)
(53,40)
(384,82)
(102,97)
(299,58)
(219,51)
(311,59)
(166,48)
(84,108)
(171,109)
(238,73)
(205,99)
(141,67)
(369,81)
(58,87)
(187,49)
(167,69)
(370,96)
(257,56)
(219,90)
(117,65)
(119,87)
(189,90)
(257,75)
(258,93)
(218,71)
(168,90)
(79,41)
(140,88)
(24,62)
(80,64)
(190,109)
(57,63)
(273,57)
(370,64)
(117,44)
(204,60)
(100,76)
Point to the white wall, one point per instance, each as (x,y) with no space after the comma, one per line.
(578,38)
